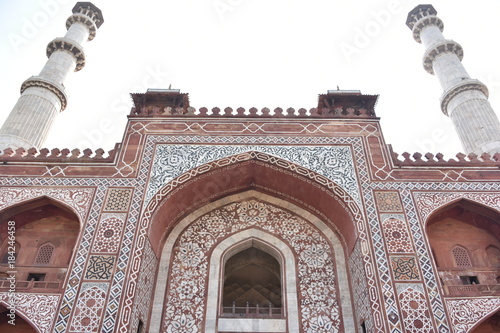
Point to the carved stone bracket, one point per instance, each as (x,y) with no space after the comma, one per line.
(84,20)
(424,22)
(447,46)
(65,44)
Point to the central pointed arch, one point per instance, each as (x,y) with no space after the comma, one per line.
(169,249)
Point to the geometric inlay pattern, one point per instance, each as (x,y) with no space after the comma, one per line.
(40,310)
(465,313)
(334,162)
(89,308)
(109,231)
(100,267)
(396,235)
(416,316)
(185,299)
(388,202)
(118,199)
(360,289)
(145,287)
(405,268)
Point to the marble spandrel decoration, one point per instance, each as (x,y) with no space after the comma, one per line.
(334,163)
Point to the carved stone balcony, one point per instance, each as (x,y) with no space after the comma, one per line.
(472,290)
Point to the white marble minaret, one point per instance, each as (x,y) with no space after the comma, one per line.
(43,96)
(464,100)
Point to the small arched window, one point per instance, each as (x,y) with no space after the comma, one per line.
(461,256)
(44,254)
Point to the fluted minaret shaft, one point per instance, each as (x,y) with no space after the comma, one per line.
(44,96)
(464,99)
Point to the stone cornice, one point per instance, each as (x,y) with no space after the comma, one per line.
(58,90)
(468,84)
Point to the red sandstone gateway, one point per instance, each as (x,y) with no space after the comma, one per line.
(234,220)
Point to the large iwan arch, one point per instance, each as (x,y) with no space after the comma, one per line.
(314,261)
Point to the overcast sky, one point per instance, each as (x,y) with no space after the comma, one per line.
(250,53)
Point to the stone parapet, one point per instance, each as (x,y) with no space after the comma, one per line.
(334,104)
(58,155)
(438,160)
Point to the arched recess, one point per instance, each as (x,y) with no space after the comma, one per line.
(339,251)
(460,234)
(22,324)
(39,222)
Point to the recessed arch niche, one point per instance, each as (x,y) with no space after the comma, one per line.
(168,285)
(465,238)
(46,232)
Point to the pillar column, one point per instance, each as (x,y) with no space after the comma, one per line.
(44,96)
(464,100)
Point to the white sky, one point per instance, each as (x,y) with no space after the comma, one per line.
(249,53)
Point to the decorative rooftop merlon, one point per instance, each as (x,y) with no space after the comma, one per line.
(335,104)
(57,155)
(462,160)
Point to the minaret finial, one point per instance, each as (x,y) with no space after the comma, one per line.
(464,99)
(44,96)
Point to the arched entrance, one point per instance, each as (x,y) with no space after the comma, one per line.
(313,263)
(300,191)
